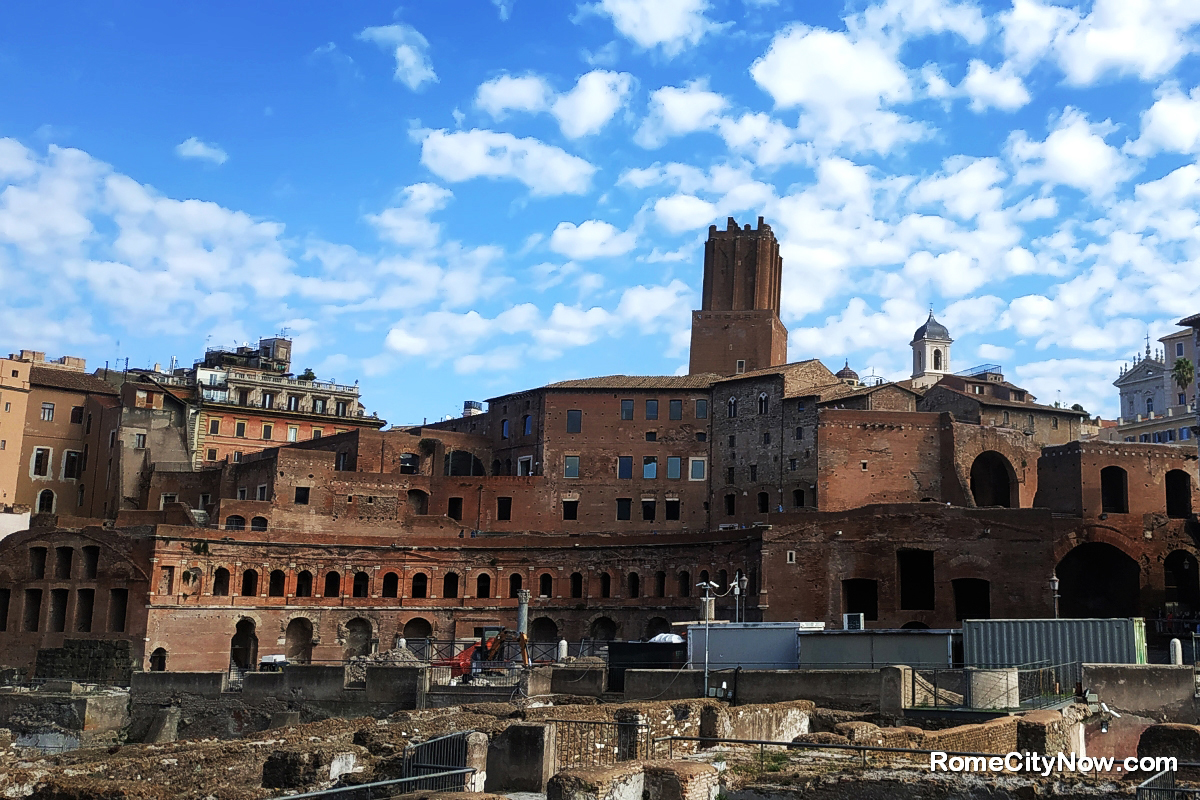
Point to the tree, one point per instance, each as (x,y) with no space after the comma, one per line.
(1184,372)
(1077,407)
(308,374)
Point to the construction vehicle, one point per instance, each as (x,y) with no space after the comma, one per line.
(486,654)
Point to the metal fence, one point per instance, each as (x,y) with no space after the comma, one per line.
(436,755)
(477,673)
(444,650)
(1161,786)
(451,780)
(1024,687)
(586,743)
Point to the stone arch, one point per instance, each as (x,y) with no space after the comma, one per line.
(158,660)
(243,646)
(250,583)
(298,640)
(391,584)
(1097,579)
(483,585)
(358,637)
(418,628)
(333,584)
(419,586)
(45,502)
(304,583)
(543,629)
(362,585)
(220,585)
(993,481)
(602,628)
(657,625)
(275,583)
(235,522)
(258,524)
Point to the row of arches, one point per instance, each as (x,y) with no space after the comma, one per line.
(332,584)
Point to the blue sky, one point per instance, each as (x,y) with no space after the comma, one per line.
(453,200)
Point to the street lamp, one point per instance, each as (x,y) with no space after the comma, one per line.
(1054,589)
(708,587)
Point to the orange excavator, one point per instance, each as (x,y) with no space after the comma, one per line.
(488,651)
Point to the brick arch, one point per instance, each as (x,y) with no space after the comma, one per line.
(971,560)
(349,615)
(1099,533)
(618,618)
(313,618)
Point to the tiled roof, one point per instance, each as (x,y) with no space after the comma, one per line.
(828,393)
(700,381)
(69,380)
(988,400)
(798,377)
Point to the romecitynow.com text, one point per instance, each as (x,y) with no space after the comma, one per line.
(1044,765)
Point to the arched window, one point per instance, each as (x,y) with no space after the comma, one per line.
(250,583)
(576,585)
(514,584)
(937,360)
(304,584)
(391,584)
(703,576)
(635,585)
(483,585)
(235,522)
(420,586)
(731,407)
(605,585)
(1114,491)
(362,584)
(333,584)
(46,502)
(763,401)
(275,584)
(545,585)
(258,524)
(660,584)
(450,585)
(158,660)
(685,584)
(221,582)
(527,425)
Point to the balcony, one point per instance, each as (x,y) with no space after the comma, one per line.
(261,379)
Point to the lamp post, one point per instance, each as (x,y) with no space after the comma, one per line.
(1054,589)
(707,586)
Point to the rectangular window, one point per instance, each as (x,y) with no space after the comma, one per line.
(3,444)
(701,436)
(302,495)
(528,428)
(88,428)
(1054,423)
(675,409)
(729,475)
(741,366)
(318,405)
(214,426)
(504,508)
(268,431)
(649,508)
(79,496)
(1179,349)
(730,504)
(47,412)
(625,467)
(792,464)
(701,409)
(766,437)
(85,604)
(118,603)
(454,508)
(626,409)
(317,433)
(672,511)
(139,441)
(33,609)
(525,465)
(624,508)
(41,462)
(733,440)
(212,454)
(574,421)
(293,433)
(261,492)
(799,433)
(1182,399)
(241,493)
(697,469)
(112,438)
(77,415)
(268,400)
(571,467)
(651,436)
(915,569)
(72,461)
(203,504)
(649,467)
(166,499)
(503,429)
(570,509)
(754,472)
(651,409)
(340,408)
(239,429)
(293,402)
(674,467)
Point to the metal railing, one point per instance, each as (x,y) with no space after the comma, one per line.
(1161,786)
(451,780)
(477,673)
(588,743)
(999,688)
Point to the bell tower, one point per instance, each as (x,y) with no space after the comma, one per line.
(931,352)
(737,328)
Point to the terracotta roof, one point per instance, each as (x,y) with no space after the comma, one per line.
(858,391)
(1190,322)
(798,377)
(988,400)
(699,381)
(69,380)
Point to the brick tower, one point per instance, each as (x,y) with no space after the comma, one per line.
(737,328)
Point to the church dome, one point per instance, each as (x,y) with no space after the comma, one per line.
(846,374)
(932,329)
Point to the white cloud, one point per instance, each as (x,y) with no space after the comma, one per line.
(684,212)
(677,110)
(993,88)
(409,223)
(905,19)
(508,93)
(588,107)
(766,141)
(669,24)
(194,148)
(590,239)
(595,99)
(967,188)
(841,87)
(1171,124)
(1073,154)
(1145,38)
(409,48)
(463,155)
(504,8)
